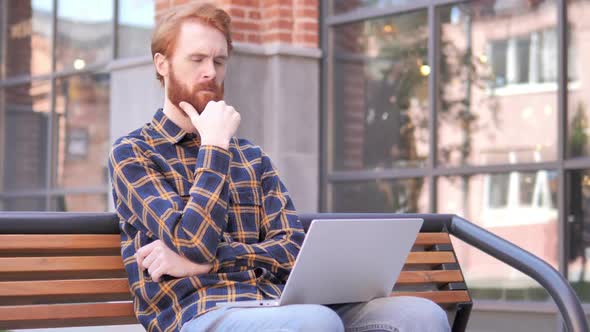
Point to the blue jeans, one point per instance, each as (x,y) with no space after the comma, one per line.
(399,314)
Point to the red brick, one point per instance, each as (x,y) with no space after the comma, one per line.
(246,3)
(304,12)
(254,38)
(245,26)
(310,3)
(237,13)
(312,39)
(277,36)
(306,39)
(273,3)
(306,26)
(277,12)
(238,36)
(279,25)
(255,15)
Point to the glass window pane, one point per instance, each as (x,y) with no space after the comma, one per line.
(136,21)
(343,6)
(520,207)
(84,33)
(28,37)
(499,184)
(578,71)
(498,74)
(24,123)
(578,232)
(23,204)
(380,195)
(380,104)
(80,203)
(82,130)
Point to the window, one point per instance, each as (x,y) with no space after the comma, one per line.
(525,59)
(381,93)
(498,93)
(26,110)
(496,158)
(519,190)
(515,206)
(28,37)
(84,33)
(136,21)
(380,195)
(55,127)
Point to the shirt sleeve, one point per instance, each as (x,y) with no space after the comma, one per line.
(192,230)
(281,230)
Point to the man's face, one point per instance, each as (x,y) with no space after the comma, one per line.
(197,66)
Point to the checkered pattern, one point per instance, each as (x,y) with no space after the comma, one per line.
(210,205)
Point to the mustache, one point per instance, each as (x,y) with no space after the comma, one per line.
(210,86)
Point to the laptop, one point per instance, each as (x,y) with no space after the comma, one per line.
(346,261)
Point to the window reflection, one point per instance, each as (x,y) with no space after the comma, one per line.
(498,70)
(82,130)
(136,20)
(381,195)
(24,114)
(343,6)
(23,204)
(520,207)
(84,33)
(578,71)
(578,232)
(80,203)
(28,37)
(381,93)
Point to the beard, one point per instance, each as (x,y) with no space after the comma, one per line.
(198,96)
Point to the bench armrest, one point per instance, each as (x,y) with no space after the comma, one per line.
(527,263)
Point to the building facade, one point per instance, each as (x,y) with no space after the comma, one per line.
(478,108)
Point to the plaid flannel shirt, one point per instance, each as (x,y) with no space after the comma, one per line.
(210,205)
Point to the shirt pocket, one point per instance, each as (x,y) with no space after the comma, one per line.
(244,214)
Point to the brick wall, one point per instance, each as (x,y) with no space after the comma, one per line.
(291,22)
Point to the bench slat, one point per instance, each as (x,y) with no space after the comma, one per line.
(54,315)
(60,264)
(440,297)
(112,263)
(64,287)
(16,242)
(425,239)
(430,257)
(69,242)
(436,276)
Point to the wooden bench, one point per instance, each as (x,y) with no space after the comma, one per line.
(64,269)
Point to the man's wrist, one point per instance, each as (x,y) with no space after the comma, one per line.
(219,144)
(199,269)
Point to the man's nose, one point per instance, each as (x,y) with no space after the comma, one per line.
(209,72)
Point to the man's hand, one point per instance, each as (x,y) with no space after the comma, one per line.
(216,124)
(158,259)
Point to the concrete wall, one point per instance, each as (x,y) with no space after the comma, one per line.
(276,90)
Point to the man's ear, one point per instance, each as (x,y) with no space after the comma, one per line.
(162,65)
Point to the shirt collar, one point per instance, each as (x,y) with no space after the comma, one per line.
(168,129)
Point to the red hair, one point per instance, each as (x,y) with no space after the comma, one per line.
(168,27)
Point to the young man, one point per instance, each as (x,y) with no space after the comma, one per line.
(205,217)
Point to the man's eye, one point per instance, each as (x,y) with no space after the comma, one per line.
(197,59)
